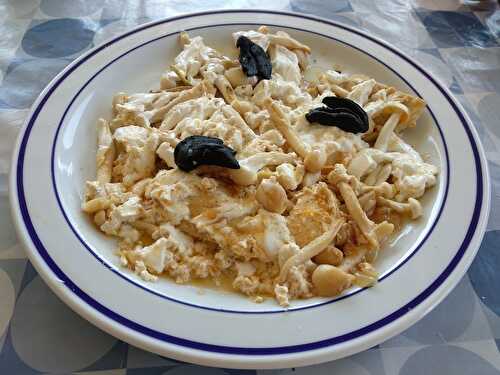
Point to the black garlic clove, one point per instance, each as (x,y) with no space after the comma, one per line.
(341,110)
(253,59)
(247,60)
(264,66)
(198,150)
(335,102)
(345,121)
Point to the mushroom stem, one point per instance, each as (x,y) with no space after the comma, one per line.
(368,201)
(194,92)
(282,124)
(339,91)
(356,211)
(384,189)
(238,122)
(286,41)
(385,133)
(312,249)
(182,76)
(224,86)
(412,208)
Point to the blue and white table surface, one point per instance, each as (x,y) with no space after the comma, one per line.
(458,43)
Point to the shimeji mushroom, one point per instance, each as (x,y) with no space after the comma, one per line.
(310,178)
(329,280)
(339,174)
(96,204)
(383,189)
(379,175)
(203,88)
(368,201)
(243,107)
(331,255)
(180,74)
(399,114)
(361,92)
(314,159)
(347,185)
(287,41)
(282,124)
(353,255)
(368,227)
(142,107)
(247,174)
(390,107)
(365,275)
(303,58)
(386,132)
(201,108)
(184,38)
(237,121)
(412,208)
(312,249)
(263,38)
(225,88)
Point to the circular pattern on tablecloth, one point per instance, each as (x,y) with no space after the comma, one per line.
(7,300)
(49,337)
(73,8)
(23,83)
(439,324)
(488,109)
(57,38)
(7,231)
(484,274)
(441,359)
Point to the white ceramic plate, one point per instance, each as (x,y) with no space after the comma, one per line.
(55,154)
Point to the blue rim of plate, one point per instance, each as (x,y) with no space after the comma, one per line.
(393,269)
(241,350)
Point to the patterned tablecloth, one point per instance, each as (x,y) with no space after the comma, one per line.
(460,45)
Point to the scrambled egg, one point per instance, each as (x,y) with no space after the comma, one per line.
(297,219)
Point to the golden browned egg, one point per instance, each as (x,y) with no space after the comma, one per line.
(315,209)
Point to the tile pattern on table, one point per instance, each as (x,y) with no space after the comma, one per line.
(456,29)
(461,46)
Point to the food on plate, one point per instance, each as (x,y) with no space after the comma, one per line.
(285,179)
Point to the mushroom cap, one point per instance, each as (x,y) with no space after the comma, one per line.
(394,107)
